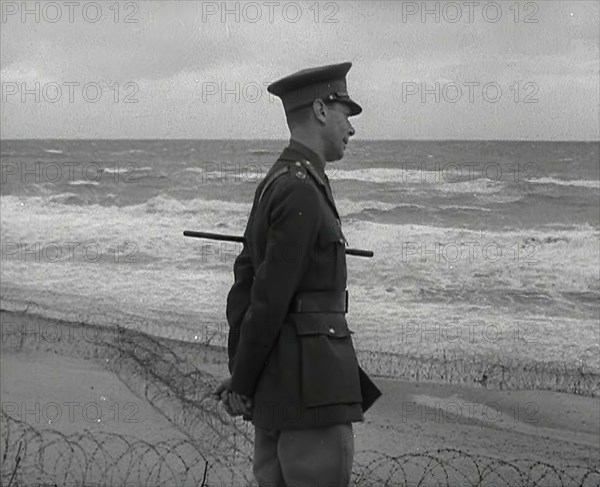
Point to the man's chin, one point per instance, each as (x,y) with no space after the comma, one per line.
(336,157)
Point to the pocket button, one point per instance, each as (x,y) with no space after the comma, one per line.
(331,330)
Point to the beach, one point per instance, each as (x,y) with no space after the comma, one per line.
(83,382)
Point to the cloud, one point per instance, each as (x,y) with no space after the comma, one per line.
(172,54)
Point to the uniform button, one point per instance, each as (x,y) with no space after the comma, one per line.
(298,164)
(341,240)
(308,162)
(331,330)
(300,174)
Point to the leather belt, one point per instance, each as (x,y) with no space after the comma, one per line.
(320,302)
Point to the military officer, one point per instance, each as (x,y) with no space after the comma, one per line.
(294,371)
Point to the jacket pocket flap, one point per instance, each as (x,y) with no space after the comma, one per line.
(331,232)
(330,324)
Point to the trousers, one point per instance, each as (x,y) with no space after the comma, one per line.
(317,457)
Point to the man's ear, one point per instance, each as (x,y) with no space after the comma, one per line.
(320,109)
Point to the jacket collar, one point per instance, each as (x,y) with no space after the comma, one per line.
(296,150)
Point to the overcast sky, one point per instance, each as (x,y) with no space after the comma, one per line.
(181,56)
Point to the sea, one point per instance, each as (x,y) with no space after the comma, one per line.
(480,247)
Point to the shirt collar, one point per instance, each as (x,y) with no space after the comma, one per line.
(296,150)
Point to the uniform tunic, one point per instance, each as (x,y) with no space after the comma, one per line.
(300,368)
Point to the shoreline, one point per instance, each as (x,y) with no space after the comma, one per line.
(474,370)
(513,434)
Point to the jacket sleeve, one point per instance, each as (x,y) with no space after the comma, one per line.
(238,298)
(294,220)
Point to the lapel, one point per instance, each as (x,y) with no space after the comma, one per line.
(324,184)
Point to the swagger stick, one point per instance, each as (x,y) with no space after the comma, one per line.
(237,238)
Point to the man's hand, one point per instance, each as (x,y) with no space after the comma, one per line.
(239,405)
(223,388)
(235,404)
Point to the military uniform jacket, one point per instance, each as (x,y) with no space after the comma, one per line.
(300,368)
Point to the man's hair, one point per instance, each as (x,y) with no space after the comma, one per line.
(299,117)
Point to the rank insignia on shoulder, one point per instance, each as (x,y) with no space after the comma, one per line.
(298,170)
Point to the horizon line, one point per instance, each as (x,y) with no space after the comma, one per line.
(287,139)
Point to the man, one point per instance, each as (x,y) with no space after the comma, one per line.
(293,366)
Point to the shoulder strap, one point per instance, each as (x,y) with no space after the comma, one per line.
(270,180)
(280,172)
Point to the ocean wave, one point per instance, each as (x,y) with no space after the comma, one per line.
(114,153)
(192,169)
(125,169)
(371,175)
(163,204)
(347,207)
(67,199)
(401,214)
(264,151)
(229,173)
(582,183)
(167,205)
(478,186)
(498,198)
(466,208)
(81,182)
(450,181)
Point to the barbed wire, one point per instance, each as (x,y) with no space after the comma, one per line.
(33,456)
(502,374)
(454,467)
(216,450)
(41,457)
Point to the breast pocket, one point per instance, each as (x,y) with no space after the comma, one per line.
(331,256)
(328,364)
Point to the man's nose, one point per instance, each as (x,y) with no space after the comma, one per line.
(351,131)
